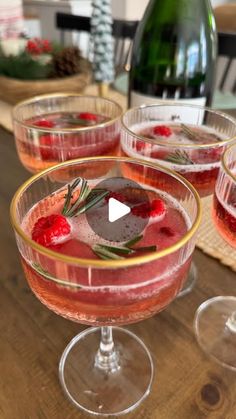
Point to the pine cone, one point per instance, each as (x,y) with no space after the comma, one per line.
(66,62)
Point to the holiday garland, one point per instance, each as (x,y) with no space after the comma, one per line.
(41,59)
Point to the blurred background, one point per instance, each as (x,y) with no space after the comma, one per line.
(40,14)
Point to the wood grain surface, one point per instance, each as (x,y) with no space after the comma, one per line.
(187,384)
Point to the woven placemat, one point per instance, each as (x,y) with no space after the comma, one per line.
(209,241)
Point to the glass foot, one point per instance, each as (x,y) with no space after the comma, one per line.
(190,282)
(215,329)
(101,392)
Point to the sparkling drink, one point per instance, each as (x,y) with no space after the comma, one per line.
(51,129)
(102,279)
(224,201)
(187,139)
(128,297)
(224,217)
(215,319)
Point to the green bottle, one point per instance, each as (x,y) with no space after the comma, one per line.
(174,53)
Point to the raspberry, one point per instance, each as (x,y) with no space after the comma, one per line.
(167,231)
(141,145)
(162,130)
(50,229)
(87,116)
(115,195)
(154,209)
(209,155)
(48,147)
(44,123)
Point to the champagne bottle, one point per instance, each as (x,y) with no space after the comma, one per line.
(174,53)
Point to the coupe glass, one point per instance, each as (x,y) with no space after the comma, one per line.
(40,146)
(99,375)
(199,163)
(215,320)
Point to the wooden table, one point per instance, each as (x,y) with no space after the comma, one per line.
(187,384)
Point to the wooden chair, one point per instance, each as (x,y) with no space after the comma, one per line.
(123,33)
(227,49)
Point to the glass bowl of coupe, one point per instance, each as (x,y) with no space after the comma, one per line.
(50,129)
(189,139)
(96,278)
(215,320)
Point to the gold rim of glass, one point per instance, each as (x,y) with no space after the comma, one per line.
(65,130)
(225,163)
(149,257)
(181,145)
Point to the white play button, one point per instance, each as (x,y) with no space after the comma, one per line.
(116,222)
(116,210)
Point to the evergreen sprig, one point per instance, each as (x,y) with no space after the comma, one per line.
(46,275)
(179,157)
(111,252)
(190,133)
(87,198)
(23,67)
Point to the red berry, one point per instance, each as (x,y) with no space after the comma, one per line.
(44,123)
(115,195)
(154,209)
(162,130)
(48,230)
(209,155)
(157,208)
(141,145)
(49,147)
(33,47)
(167,231)
(46,45)
(87,116)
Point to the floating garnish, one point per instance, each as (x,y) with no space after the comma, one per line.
(111,252)
(179,157)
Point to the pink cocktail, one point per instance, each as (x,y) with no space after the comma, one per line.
(215,320)
(185,138)
(224,212)
(86,277)
(50,129)
(122,303)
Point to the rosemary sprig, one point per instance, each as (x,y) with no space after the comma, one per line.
(77,121)
(107,252)
(189,133)
(133,241)
(38,268)
(91,201)
(116,249)
(87,198)
(179,157)
(152,248)
(104,253)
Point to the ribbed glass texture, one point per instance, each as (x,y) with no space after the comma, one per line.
(200,162)
(81,290)
(224,203)
(39,148)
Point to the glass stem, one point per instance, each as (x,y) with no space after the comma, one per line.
(231,322)
(107,358)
